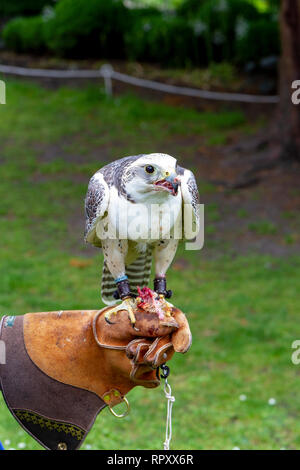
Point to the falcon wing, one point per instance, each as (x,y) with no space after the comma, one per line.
(96,203)
(190,195)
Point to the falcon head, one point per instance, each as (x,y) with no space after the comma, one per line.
(153,173)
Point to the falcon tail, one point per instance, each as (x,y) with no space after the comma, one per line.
(138,274)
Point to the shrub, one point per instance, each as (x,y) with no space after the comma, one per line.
(261,40)
(228,9)
(189,8)
(82,28)
(25,35)
(146,12)
(198,33)
(163,39)
(219,22)
(10,8)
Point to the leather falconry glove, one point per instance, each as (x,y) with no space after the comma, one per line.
(63,368)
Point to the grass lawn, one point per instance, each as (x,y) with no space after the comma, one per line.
(243,310)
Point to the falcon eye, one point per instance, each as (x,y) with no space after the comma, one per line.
(149,169)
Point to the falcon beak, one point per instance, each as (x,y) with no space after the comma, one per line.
(173,179)
(169,183)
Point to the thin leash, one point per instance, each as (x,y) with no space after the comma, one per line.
(170,402)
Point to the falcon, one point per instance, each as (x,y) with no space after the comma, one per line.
(119,206)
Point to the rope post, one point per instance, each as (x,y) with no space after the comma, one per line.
(106,72)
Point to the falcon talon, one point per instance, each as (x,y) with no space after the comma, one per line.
(128,306)
(167,307)
(113,311)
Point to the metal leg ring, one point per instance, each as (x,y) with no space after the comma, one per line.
(125,412)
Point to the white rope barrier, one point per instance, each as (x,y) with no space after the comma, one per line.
(108,74)
(193,92)
(47,73)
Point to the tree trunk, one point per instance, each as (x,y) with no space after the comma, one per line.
(289,113)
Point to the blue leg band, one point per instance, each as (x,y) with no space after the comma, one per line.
(121,278)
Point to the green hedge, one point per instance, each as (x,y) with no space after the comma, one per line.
(11,8)
(166,40)
(25,35)
(87,28)
(197,33)
(218,23)
(261,40)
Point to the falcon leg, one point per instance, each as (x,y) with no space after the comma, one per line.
(160,286)
(125,294)
(115,252)
(130,305)
(164,253)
